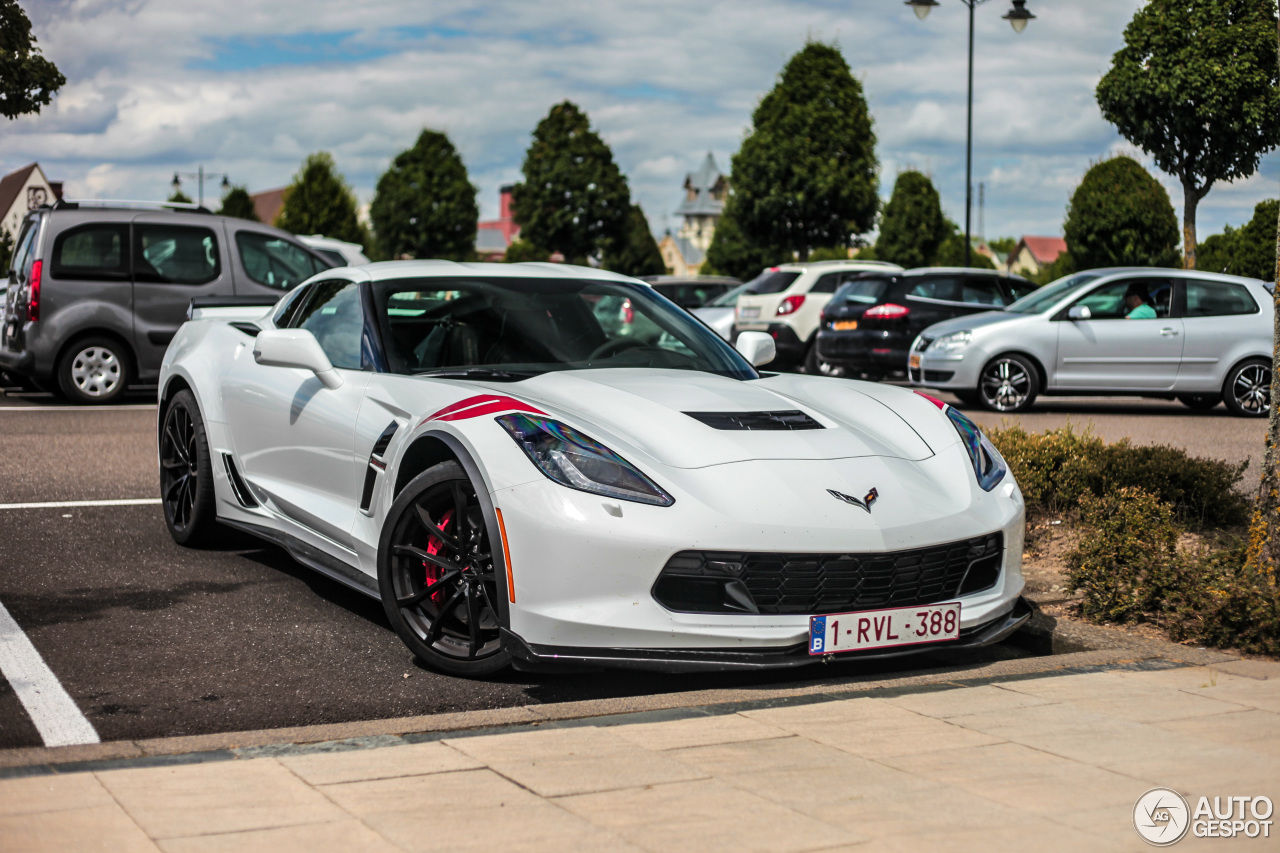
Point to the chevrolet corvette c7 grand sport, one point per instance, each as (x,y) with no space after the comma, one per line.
(521,480)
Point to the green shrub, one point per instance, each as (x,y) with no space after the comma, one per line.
(1223,601)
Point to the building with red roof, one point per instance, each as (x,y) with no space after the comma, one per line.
(1035,254)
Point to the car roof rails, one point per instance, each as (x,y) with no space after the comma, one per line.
(75,203)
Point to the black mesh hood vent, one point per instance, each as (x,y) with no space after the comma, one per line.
(788,420)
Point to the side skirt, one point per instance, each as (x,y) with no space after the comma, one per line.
(312,557)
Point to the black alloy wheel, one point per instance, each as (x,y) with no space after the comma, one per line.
(1247,391)
(186,472)
(1009,383)
(438,574)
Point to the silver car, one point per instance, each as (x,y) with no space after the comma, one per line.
(1201,338)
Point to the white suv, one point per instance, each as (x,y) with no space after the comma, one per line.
(787,301)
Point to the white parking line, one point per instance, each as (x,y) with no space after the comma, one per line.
(66,504)
(54,713)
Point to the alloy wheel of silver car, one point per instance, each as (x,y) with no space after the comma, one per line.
(96,371)
(1249,390)
(1008,384)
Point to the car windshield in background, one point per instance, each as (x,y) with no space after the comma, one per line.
(771,281)
(512,329)
(729,298)
(865,291)
(1039,301)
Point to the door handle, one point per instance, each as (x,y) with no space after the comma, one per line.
(1166,332)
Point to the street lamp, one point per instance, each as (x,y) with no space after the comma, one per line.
(1018,16)
(200,175)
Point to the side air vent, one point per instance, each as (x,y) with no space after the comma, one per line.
(238,487)
(384,441)
(788,420)
(376,465)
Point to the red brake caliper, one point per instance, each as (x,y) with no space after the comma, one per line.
(434,546)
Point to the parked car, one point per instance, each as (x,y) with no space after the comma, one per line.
(787,301)
(692,291)
(719,312)
(1206,338)
(869,324)
(97,290)
(534,489)
(339,253)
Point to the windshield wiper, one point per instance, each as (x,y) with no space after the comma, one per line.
(499,374)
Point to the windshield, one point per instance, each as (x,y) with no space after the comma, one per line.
(865,291)
(1051,294)
(513,328)
(771,281)
(729,298)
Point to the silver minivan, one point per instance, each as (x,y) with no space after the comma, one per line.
(1202,338)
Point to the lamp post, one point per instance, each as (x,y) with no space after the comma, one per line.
(200,175)
(1018,16)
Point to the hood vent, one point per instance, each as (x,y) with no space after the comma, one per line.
(787,420)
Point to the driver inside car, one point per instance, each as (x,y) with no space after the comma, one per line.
(1137,303)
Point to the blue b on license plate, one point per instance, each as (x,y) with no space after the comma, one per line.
(878,629)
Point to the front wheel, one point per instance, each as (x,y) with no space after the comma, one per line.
(438,575)
(186,472)
(1009,383)
(1247,391)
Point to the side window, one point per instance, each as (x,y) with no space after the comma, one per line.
(98,252)
(174,254)
(1109,301)
(331,312)
(273,261)
(1218,299)
(21,257)
(828,283)
(947,289)
(292,302)
(980,290)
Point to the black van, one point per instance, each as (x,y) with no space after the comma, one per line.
(97,289)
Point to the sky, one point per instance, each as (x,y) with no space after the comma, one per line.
(249,88)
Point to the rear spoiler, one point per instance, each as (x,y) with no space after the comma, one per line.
(230,307)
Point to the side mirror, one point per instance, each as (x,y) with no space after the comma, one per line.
(756,347)
(295,348)
(1079,312)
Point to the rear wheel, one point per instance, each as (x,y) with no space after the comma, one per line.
(94,370)
(186,472)
(1247,391)
(1200,402)
(1009,383)
(438,576)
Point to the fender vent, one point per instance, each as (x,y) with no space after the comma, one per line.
(238,487)
(384,441)
(788,420)
(375,465)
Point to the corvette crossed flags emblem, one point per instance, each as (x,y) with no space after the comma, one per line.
(865,503)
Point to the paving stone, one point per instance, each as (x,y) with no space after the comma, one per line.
(765,756)
(1041,836)
(1252,729)
(959,701)
(1261,669)
(697,731)
(704,816)
(52,793)
(555,762)
(105,828)
(227,796)
(328,768)
(349,836)
(1128,698)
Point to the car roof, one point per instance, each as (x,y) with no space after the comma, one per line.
(1154,272)
(689,279)
(918,271)
(852,263)
(392,270)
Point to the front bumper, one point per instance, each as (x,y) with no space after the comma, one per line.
(959,371)
(539,657)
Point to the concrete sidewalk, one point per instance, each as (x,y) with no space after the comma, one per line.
(1045,761)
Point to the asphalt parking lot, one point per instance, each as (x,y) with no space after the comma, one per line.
(152,640)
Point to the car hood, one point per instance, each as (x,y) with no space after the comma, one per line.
(972,322)
(645,411)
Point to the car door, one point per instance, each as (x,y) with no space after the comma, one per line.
(295,438)
(1111,352)
(1213,326)
(172,263)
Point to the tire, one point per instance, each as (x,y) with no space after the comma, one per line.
(455,630)
(95,370)
(1247,391)
(815,366)
(186,473)
(1200,402)
(1009,383)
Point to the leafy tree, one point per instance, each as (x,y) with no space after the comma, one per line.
(574,200)
(806,175)
(731,253)
(1195,86)
(425,206)
(522,250)
(637,254)
(320,202)
(951,252)
(28,81)
(912,226)
(179,197)
(1003,245)
(1121,216)
(1248,250)
(237,203)
(830,253)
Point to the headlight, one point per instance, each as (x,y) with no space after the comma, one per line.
(988,464)
(953,342)
(574,460)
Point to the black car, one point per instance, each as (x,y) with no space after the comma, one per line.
(869,324)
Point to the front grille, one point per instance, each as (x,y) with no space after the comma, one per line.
(785,420)
(721,582)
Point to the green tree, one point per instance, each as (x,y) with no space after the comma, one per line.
(731,253)
(425,206)
(637,253)
(1003,245)
(237,203)
(1248,250)
(521,251)
(28,81)
(1121,216)
(912,226)
(830,253)
(806,174)
(951,252)
(573,200)
(320,202)
(1195,86)
(179,197)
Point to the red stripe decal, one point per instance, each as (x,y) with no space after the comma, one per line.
(484,404)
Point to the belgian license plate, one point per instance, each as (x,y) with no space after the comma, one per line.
(914,361)
(750,312)
(878,629)
(844,325)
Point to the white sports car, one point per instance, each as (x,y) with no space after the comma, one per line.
(522,478)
